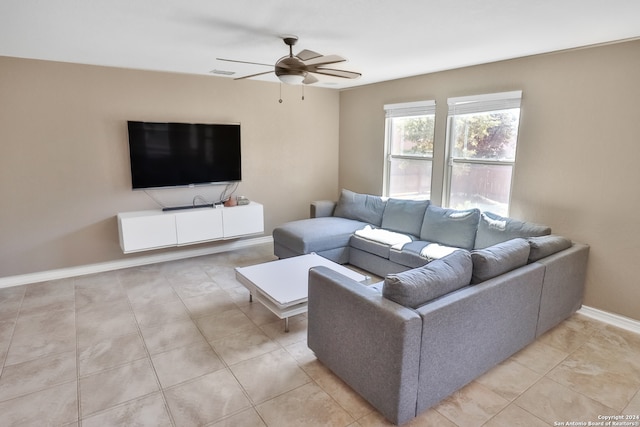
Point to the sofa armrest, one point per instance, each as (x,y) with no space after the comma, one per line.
(371,343)
(320,208)
(563,286)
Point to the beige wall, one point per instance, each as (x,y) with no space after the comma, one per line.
(64,167)
(577,162)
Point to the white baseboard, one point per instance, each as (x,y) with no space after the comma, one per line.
(612,319)
(82,270)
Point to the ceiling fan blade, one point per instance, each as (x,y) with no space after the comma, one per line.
(336,73)
(244,62)
(306,55)
(323,60)
(253,75)
(310,79)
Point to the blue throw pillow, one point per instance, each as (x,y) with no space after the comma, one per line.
(499,259)
(413,288)
(543,246)
(494,229)
(404,216)
(361,207)
(450,227)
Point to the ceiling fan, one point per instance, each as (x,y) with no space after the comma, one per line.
(300,68)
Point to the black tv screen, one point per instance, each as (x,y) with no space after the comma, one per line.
(182,154)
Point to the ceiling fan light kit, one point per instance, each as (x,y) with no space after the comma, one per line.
(291,78)
(300,69)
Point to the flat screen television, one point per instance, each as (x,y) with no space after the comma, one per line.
(183,154)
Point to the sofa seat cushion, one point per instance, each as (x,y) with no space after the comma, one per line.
(450,227)
(409,254)
(418,286)
(543,246)
(404,216)
(360,207)
(419,253)
(494,229)
(499,259)
(378,241)
(316,234)
(369,246)
(380,235)
(436,251)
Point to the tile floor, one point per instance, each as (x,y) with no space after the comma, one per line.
(179,344)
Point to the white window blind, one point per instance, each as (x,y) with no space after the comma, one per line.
(410,109)
(482,103)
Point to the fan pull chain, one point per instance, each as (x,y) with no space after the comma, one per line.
(302,91)
(280,100)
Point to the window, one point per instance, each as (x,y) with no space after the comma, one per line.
(482,136)
(409,149)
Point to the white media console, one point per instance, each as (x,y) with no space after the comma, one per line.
(155,229)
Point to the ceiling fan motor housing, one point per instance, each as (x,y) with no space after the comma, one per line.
(290,66)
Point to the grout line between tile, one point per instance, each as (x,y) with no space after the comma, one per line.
(148,356)
(75,324)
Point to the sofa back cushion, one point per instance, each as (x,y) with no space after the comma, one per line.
(404,216)
(494,229)
(450,227)
(499,259)
(361,207)
(413,288)
(543,246)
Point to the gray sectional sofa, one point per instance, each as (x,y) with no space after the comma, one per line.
(463,290)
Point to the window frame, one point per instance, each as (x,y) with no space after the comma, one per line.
(404,110)
(486,103)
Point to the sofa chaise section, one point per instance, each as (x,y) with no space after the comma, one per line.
(326,236)
(328,230)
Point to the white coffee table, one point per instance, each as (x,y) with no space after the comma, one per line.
(282,285)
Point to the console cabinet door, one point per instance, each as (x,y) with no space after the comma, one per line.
(199,226)
(243,220)
(146,230)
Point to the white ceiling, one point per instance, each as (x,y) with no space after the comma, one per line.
(383,40)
